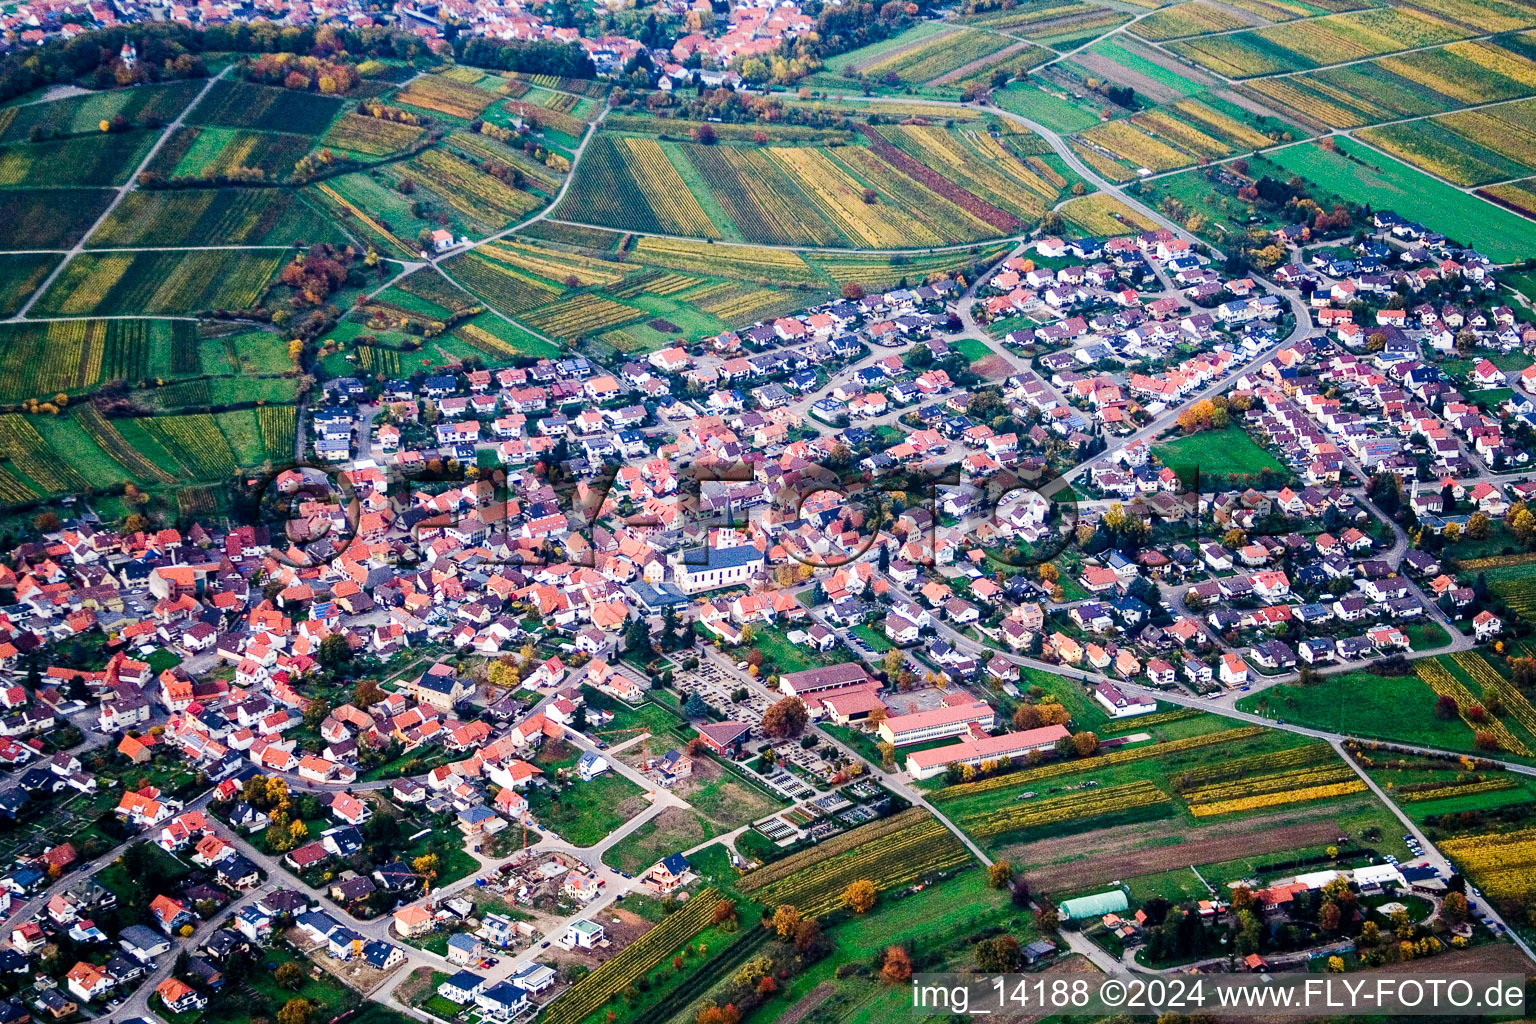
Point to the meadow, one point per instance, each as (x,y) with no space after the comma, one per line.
(1361,175)
(1226,452)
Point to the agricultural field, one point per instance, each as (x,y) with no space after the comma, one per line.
(263,216)
(1362,175)
(1172,792)
(1472,147)
(634,960)
(629,183)
(441,95)
(369,209)
(863,56)
(1178,135)
(1041,102)
(1519,196)
(1513,585)
(665,291)
(484,202)
(42,359)
(949,185)
(232,104)
(370,136)
(1317,42)
(893,852)
(500,285)
(45,218)
(79,160)
(550,118)
(21,274)
(82,115)
(215,154)
(722,801)
(1502,865)
(1059,23)
(936,56)
(501,341)
(1398,708)
(1190,19)
(1150,73)
(160,282)
(1201,17)
(1103,214)
(1413,85)
(541,176)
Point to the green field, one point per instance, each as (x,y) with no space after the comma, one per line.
(82,115)
(1228,452)
(722,801)
(1389,184)
(1031,101)
(587,811)
(233,104)
(1141,65)
(1359,703)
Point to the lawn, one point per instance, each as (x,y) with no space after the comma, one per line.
(585,812)
(1522,281)
(1489,399)
(974,349)
(1359,703)
(1229,452)
(782,656)
(1389,184)
(1427,635)
(874,638)
(936,924)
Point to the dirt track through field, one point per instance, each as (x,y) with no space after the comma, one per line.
(1124,852)
(806,1003)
